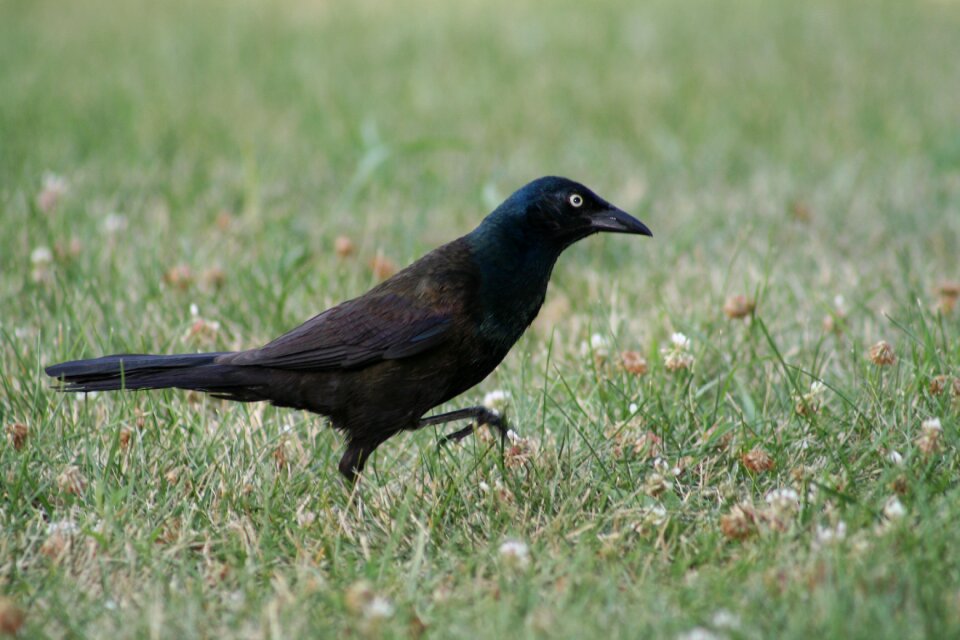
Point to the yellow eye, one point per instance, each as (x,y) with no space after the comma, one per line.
(576,200)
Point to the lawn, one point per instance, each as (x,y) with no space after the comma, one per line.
(183,176)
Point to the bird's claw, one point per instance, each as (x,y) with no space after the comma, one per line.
(489,418)
(500,423)
(457,436)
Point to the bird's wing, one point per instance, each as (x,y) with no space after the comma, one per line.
(353,334)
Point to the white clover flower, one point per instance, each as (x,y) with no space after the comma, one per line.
(826,536)
(929,440)
(305,518)
(65,527)
(515,553)
(598,346)
(632,408)
(655,516)
(202,330)
(51,192)
(676,361)
(655,484)
(700,633)
(378,608)
(680,341)
(725,619)
(53,181)
(41,256)
(599,342)
(497,400)
(783,505)
(677,357)
(894,509)
(811,401)
(783,499)
(114,223)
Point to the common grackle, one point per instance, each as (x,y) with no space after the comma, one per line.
(376,364)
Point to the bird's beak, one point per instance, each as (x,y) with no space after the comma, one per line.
(614,220)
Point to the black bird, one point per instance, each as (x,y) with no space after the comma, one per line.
(376,364)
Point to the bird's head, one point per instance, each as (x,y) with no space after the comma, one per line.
(558,212)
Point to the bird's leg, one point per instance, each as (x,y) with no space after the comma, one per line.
(355,457)
(480,416)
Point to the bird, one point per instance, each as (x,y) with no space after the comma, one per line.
(375,365)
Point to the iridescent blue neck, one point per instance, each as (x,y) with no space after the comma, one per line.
(514,266)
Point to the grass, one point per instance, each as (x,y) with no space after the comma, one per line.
(806,155)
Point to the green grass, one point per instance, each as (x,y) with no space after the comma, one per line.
(793,152)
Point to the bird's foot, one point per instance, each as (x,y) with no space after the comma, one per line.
(489,418)
(479,415)
(457,436)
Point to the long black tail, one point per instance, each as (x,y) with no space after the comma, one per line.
(196,371)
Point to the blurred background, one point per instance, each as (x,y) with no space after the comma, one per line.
(757,139)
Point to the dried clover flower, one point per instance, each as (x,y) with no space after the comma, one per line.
(758,461)
(739,306)
(882,355)
(634,363)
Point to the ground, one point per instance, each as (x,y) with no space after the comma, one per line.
(185,176)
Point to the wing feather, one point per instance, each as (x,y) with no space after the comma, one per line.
(354,334)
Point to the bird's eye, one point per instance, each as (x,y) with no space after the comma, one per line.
(576,200)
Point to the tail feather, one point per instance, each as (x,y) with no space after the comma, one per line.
(128,362)
(195,371)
